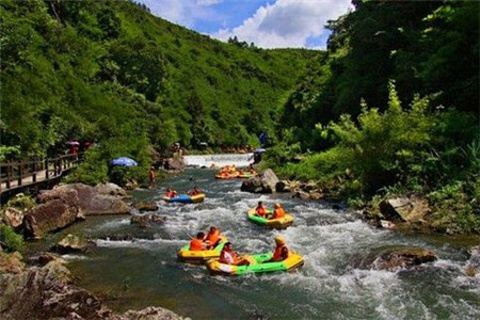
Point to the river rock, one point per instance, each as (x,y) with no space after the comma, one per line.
(90,201)
(316,195)
(310,186)
(472,268)
(265,182)
(11,263)
(46,293)
(13,217)
(404,209)
(61,210)
(110,189)
(302,195)
(145,206)
(145,220)
(282,186)
(150,313)
(177,164)
(402,258)
(45,257)
(73,243)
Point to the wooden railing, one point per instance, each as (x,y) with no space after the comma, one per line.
(22,173)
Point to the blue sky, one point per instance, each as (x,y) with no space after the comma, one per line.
(267,23)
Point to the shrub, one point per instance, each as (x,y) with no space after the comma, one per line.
(21,202)
(10,240)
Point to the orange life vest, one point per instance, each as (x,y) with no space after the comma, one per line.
(196,245)
(279,253)
(278,213)
(212,238)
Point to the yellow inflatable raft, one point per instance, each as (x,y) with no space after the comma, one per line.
(185,255)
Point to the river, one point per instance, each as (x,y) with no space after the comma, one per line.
(144,271)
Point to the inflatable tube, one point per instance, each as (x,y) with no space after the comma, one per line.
(185,198)
(226,176)
(246,175)
(280,223)
(258,265)
(198,257)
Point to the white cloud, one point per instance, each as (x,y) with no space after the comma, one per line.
(286,23)
(207,2)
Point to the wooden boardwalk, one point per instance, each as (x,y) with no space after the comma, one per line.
(23,175)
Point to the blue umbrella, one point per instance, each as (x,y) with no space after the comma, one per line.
(260,150)
(123,161)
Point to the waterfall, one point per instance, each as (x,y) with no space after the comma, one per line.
(239,160)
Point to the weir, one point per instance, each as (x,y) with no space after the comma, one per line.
(239,160)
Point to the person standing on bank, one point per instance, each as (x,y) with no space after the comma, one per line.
(152,175)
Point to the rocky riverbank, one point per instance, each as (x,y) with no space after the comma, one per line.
(44,288)
(402,213)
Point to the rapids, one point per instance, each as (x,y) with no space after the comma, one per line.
(144,271)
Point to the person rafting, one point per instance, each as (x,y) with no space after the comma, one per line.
(170,193)
(194,191)
(197,243)
(281,251)
(260,210)
(227,256)
(278,211)
(213,237)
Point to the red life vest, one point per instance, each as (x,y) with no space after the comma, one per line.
(260,211)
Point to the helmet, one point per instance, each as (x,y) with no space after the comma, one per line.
(279,240)
(277,205)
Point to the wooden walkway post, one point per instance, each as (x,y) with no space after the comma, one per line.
(20,173)
(34,171)
(47,174)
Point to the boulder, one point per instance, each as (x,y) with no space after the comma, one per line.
(402,258)
(150,313)
(145,220)
(73,243)
(11,263)
(301,195)
(316,195)
(282,186)
(90,200)
(145,206)
(176,164)
(44,258)
(46,293)
(404,209)
(110,189)
(13,217)
(60,210)
(310,186)
(265,182)
(103,205)
(472,268)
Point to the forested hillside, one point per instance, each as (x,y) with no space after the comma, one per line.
(110,72)
(392,109)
